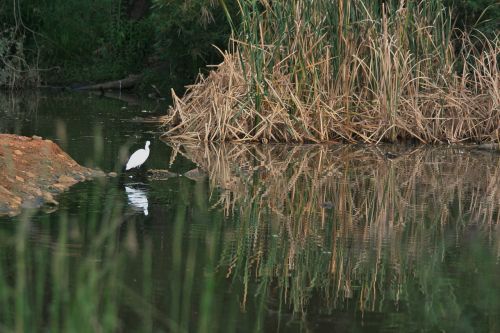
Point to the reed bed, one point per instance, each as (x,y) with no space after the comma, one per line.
(354,71)
(345,227)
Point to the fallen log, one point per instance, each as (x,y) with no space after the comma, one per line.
(124,97)
(129,82)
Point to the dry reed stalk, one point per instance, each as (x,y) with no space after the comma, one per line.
(391,74)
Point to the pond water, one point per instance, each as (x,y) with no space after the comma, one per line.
(273,238)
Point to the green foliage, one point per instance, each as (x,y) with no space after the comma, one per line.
(187,34)
(96,40)
(92,41)
(10,47)
(15,69)
(82,40)
(480,14)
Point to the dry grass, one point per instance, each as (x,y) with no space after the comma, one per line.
(362,73)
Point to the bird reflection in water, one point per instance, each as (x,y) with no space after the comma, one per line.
(137,199)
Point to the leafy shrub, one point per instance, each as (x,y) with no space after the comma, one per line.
(14,69)
(480,14)
(188,34)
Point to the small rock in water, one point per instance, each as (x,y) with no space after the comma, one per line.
(112,174)
(196,174)
(49,199)
(96,173)
(160,174)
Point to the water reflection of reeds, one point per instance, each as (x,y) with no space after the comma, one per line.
(340,227)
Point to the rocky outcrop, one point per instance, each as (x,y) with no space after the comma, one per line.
(33,170)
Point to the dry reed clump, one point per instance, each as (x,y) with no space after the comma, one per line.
(318,72)
(339,216)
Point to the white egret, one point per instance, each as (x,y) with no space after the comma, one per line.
(138,157)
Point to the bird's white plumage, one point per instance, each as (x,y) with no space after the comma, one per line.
(138,157)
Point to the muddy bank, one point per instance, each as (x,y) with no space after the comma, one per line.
(33,170)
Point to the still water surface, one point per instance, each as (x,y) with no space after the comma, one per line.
(249,238)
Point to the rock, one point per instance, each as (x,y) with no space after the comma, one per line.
(59,187)
(32,167)
(36,137)
(112,174)
(37,192)
(95,174)
(9,203)
(34,202)
(196,174)
(79,177)
(49,199)
(67,180)
(161,174)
